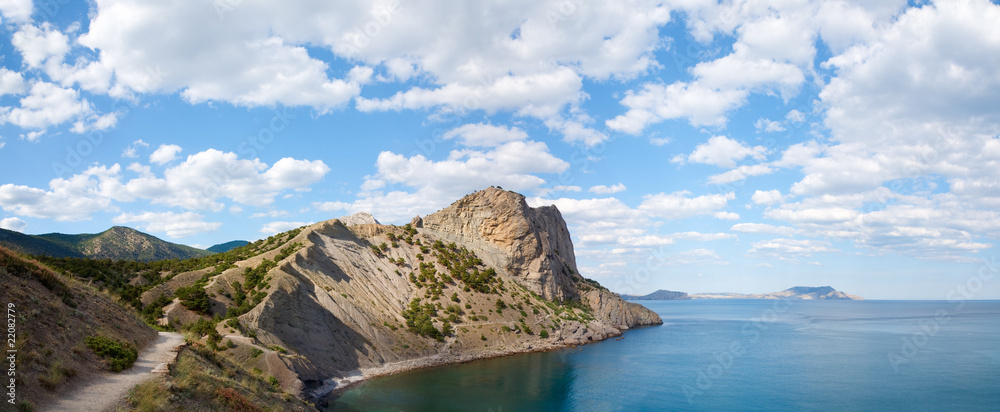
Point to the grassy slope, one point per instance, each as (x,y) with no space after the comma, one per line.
(202,380)
(54,315)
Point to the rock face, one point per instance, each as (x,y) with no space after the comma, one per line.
(360,218)
(532,245)
(490,276)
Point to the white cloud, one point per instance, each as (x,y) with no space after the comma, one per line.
(658,102)
(795,116)
(659,141)
(175,225)
(692,257)
(165,154)
(70,199)
(607,190)
(198,183)
(38,44)
(513,166)
(131,152)
(755,228)
(13,223)
(789,249)
(485,135)
(725,152)
(278,227)
(257,53)
(768,197)
(740,173)
(678,205)
(727,216)
(16,10)
(335,206)
(11,82)
(46,105)
(768,125)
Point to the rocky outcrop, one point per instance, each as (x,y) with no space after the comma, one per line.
(617,312)
(490,275)
(532,245)
(360,218)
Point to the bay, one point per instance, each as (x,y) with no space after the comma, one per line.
(734,355)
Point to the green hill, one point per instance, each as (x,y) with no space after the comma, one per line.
(225,247)
(117,243)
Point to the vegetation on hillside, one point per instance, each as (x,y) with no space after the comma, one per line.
(201,380)
(117,355)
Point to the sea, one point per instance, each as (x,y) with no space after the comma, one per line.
(734,355)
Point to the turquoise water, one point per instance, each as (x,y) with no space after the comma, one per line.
(734,355)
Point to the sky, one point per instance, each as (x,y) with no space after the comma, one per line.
(699,146)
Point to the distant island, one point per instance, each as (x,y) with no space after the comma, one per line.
(798,292)
(659,295)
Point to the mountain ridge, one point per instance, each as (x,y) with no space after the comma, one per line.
(487,276)
(115,243)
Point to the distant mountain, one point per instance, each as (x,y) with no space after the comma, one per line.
(225,247)
(659,295)
(797,292)
(116,243)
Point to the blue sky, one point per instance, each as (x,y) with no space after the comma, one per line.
(695,146)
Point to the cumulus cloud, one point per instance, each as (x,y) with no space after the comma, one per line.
(485,135)
(16,10)
(607,190)
(131,152)
(46,105)
(175,225)
(164,154)
(72,199)
(281,226)
(424,185)
(755,228)
(768,197)
(725,152)
(13,223)
(11,82)
(789,249)
(258,54)
(679,205)
(198,183)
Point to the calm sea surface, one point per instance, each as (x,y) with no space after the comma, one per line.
(734,355)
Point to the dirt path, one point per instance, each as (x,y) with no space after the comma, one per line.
(106,389)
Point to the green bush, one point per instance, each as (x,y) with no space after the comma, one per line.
(195,298)
(118,355)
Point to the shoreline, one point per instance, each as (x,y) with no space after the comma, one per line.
(336,385)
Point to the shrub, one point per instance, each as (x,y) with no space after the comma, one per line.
(544,334)
(234,400)
(195,298)
(118,355)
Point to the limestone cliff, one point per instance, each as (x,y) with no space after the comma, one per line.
(532,245)
(483,277)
